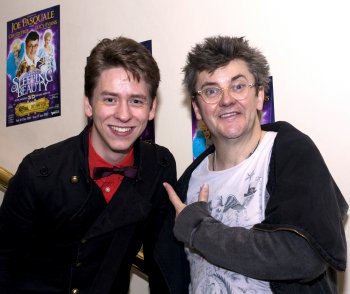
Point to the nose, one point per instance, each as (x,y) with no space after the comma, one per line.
(227,97)
(122,111)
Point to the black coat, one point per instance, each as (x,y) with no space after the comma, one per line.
(58,233)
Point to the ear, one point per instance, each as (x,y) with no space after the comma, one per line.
(87,107)
(260,98)
(196,110)
(152,111)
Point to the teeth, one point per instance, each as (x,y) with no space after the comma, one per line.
(228,114)
(121,130)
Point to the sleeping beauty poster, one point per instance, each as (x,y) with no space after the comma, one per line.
(33,67)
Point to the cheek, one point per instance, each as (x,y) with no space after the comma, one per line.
(144,116)
(102,112)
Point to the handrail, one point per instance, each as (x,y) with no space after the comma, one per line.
(5,177)
(138,265)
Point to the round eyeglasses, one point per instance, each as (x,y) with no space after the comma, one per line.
(213,94)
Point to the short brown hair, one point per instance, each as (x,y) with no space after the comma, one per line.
(125,53)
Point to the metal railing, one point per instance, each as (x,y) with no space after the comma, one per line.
(5,177)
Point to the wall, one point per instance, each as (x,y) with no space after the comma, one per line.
(305,41)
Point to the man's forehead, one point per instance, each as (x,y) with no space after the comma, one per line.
(234,69)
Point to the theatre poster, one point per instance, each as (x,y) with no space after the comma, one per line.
(33,67)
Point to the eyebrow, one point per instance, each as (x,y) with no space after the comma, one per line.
(234,78)
(108,93)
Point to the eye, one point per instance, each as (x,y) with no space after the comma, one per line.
(211,91)
(109,100)
(238,87)
(138,101)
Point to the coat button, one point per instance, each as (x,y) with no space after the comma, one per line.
(74,179)
(75,291)
(44,171)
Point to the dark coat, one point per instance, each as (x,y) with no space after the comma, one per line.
(58,233)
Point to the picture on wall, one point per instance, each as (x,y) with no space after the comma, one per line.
(33,67)
(148,134)
(200,132)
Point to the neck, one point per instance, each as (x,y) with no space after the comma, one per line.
(229,155)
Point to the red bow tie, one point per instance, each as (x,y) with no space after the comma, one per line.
(127,171)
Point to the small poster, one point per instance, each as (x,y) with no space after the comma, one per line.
(201,134)
(33,67)
(268,111)
(148,134)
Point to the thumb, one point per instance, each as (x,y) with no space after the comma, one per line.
(204,193)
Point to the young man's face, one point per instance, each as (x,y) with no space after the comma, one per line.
(31,48)
(120,109)
(229,118)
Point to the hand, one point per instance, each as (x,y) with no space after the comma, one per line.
(176,201)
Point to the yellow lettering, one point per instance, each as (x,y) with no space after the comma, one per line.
(16,25)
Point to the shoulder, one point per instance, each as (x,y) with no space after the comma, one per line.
(57,154)
(294,154)
(161,154)
(289,139)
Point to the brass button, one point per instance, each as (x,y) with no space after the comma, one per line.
(74,179)
(75,291)
(78,264)
(83,241)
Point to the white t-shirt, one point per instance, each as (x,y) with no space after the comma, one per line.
(237,198)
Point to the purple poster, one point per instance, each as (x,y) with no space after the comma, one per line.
(33,67)
(148,134)
(201,134)
(268,112)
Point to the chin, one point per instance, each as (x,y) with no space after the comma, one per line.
(121,149)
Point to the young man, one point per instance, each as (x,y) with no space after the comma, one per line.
(269,215)
(76,213)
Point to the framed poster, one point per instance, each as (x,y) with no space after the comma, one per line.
(148,134)
(33,67)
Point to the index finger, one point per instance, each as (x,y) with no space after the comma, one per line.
(175,200)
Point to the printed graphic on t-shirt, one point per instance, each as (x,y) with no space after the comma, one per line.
(237,198)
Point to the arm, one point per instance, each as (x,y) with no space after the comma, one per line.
(277,255)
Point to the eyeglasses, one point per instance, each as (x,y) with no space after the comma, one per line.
(213,94)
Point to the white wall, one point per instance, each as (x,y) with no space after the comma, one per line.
(306,43)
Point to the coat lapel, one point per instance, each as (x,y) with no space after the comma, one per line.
(127,207)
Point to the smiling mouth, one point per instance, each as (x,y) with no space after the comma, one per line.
(120,129)
(225,115)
